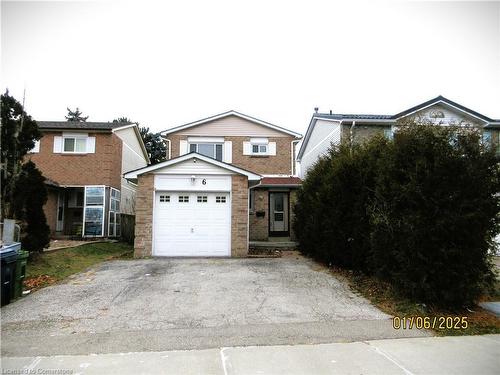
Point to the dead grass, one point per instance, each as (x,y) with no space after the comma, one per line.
(382,295)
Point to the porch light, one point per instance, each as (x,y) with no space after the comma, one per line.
(193,179)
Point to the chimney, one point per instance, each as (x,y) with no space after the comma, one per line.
(316,109)
(330,111)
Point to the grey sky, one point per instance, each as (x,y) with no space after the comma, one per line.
(163,64)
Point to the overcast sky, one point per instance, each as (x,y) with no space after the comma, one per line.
(164,64)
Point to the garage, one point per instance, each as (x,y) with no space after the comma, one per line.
(192,206)
(192,224)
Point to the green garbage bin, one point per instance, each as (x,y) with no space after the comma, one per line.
(22,259)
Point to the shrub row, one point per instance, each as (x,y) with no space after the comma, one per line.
(419,211)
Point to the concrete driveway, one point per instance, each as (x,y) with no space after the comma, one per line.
(164,304)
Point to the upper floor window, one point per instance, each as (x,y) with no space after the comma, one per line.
(36,147)
(72,144)
(259,149)
(212,150)
(389,133)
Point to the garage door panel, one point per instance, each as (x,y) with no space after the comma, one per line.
(199,227)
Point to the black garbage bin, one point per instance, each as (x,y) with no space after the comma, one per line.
(8,258)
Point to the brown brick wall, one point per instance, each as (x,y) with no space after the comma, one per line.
(239,216)
(100,168)
(144,216)
(259,226)
(362,133)
(279,164)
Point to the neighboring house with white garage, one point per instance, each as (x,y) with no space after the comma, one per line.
(229,179)
(84,163)
(326,129)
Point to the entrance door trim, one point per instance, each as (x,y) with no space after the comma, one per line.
(277,234)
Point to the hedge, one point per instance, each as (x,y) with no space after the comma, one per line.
(419,211)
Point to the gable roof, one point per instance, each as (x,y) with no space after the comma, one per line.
(227,114)
(132,175)
(389,119)
(76,125)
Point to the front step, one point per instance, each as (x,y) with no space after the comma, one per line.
(270,249)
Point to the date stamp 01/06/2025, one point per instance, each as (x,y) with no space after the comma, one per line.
(430,322)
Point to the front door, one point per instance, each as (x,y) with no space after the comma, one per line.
(278,214)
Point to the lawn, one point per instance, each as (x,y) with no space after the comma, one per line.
(51,267)
(382,295)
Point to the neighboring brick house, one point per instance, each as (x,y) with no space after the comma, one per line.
(84,163)
(326,129)
(229,179)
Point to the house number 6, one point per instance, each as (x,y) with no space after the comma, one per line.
(204,181)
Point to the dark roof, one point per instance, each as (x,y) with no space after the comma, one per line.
(445,100)
(342,116)
(289,180)
(74,125)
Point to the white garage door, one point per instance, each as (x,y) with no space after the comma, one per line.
(192,224)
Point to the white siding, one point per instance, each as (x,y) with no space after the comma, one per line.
(451,116)
(132,158)
(324,134)
(232,126)
(191,168)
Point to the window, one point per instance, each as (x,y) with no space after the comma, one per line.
(250,199)
(487,138)
(212,150)
(93,223)
(114,204)
(183,198)
(258,149)
(36,147)
(164,198)
(94,195)
(73,144)
(202,199)
(389,133)
(220,199)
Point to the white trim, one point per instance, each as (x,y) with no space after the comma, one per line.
(251,176)
(446,104)
(103,206)
(123,127)
(205,139)
(226,114)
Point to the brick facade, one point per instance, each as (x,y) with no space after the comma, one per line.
(239,216)
(100,168)
(144,216)
(259,226)
(281,163)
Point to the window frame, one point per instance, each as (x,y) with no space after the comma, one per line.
(259,146)
(75,139)
(214,144)
(97,206)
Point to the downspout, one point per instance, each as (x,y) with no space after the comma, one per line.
(351,132)
(292,152)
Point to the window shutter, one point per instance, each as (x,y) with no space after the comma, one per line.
(36,148)
(271,148)
(57,144)
(228,152)
(91,145)
(183,147)
(247,148)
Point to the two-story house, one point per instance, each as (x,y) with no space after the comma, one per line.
(229,179)
(326,129)
(84,163)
